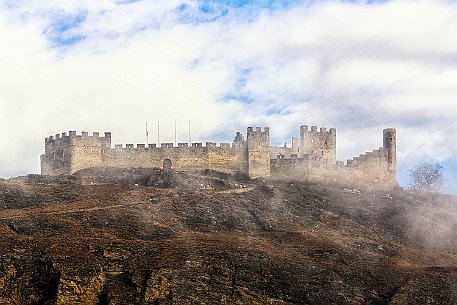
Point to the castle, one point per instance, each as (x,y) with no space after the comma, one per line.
(311,157)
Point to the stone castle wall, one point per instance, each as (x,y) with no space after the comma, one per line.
(312,157)
(88,150)
(191,158)
(68,154)
(305,169)
(258,146)
(376,169)
(321,145)
(58,155)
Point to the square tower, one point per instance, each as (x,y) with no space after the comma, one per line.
(258,150)
(319,145)
(66,154)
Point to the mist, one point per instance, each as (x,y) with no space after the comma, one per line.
(358,67)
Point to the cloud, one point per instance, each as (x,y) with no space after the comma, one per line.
(112,65)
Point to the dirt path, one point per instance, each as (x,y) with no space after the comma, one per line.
(17,214)
(241,190)
(69,208)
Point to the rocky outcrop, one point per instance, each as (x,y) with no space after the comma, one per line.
(84,242)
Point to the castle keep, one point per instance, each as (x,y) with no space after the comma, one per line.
(311,157)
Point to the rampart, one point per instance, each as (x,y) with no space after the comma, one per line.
(375,169)
(195,157)
(311,157)
(66,154)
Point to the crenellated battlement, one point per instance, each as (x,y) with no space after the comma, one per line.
(321,144)
(312,156)
(67,153)
(377,155)
(322,130)
(258,132)
(258,151)
(212,145)
(73,134)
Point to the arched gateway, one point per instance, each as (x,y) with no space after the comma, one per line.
(167,164)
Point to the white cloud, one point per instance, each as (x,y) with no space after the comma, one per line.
(356,67)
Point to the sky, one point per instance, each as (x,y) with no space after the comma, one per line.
(112,65)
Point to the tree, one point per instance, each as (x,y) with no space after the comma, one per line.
(426,177)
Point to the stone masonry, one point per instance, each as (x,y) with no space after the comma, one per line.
(311,157)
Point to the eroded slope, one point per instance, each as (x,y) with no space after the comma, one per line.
(222,241)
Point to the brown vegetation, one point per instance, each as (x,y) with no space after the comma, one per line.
(215,239)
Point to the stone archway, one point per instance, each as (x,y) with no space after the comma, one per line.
(167,164)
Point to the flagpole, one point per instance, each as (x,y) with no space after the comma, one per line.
(176,144)
(190,141)
(158,133)
(147,135)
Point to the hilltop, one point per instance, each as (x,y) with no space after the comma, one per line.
(147,236)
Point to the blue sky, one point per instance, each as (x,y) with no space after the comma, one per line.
(358,66)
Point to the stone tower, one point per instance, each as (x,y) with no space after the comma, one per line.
(66,154)
(319,145)
(258,152)
(390,144)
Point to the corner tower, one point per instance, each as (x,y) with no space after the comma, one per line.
(390,144)
(66,154)
(258,147)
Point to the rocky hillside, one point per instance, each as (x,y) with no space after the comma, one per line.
(153,237)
